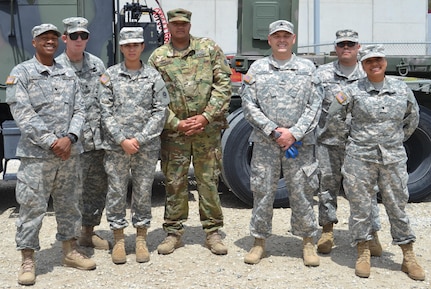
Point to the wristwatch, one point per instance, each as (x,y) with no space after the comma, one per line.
(73,138)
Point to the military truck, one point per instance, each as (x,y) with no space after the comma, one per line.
(106,17)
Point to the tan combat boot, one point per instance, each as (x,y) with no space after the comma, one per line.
(410,265)
(363,263)
(375,246)
(141,250)
(169,244)
(309,252)
(214,243)
(326,241)
(90,239)
(118,254)
(256,253)
(27,272)
(73,258)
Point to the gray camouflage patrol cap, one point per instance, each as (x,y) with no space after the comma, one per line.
(45,27)
(375,50)
(280,25)
(179,14)
(131,35)
(75,24)
(346,35)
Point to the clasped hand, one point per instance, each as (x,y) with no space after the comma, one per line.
(193,125)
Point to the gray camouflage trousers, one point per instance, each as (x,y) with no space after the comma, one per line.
(38,179)
(331,159)
(360,180)
(142,168)
(94,185)
(301,179)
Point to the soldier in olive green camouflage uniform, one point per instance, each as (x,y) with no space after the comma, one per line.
(384,113)
(88,68)
(331,144)
(196,73)
(46,103)
(134,104)
(280,102)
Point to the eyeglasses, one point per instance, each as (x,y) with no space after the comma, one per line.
(74,36)
(344,43)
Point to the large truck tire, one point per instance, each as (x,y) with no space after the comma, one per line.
(237,151)
(418,148)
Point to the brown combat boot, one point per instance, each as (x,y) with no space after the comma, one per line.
(118,254)
(169,244)
(27,271)
(256,253)
(375,246)
(363,263)
(410,264)
(75,259)
(90,239)
(326,241)
(141,250)
(309,252)
(214,243)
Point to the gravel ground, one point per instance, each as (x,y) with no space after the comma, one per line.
(193,266)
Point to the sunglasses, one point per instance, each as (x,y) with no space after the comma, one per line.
(348,43)
(74,36)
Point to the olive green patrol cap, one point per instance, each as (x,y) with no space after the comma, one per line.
(346,35)
(375,50)
(45,27)
(75,24)
(131,35)
(179,14)
(280,25)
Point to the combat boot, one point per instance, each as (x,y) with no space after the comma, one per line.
(410,264)
(375,246)
(256,253)
(363,263)
(171,242)
(118,254)
(141,250)
(214,243)
(90,239)
(75,259)
(309,252)
(27,271)
(326,241)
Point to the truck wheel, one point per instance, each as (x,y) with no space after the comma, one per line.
(418,148)
(237,151)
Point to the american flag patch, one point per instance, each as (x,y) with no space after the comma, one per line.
(341,97)
(247,78)
(11,80)
(104,78)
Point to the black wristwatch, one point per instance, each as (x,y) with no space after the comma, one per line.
(73,138)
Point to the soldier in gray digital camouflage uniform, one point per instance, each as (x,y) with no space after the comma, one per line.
(46,103)
(280,101)
(88,68)
(384,113)
(134,104)
(331,144)
(197,77)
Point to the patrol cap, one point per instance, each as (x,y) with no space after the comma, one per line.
(375,50)
(45,27)
(346,35)
(179,14)
(280,25)
(131,35)
(75,24)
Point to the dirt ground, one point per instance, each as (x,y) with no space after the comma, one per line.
(193,266)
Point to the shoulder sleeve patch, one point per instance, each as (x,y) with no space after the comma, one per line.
(11,80)
(247,78)
(341,97)
(104,79)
